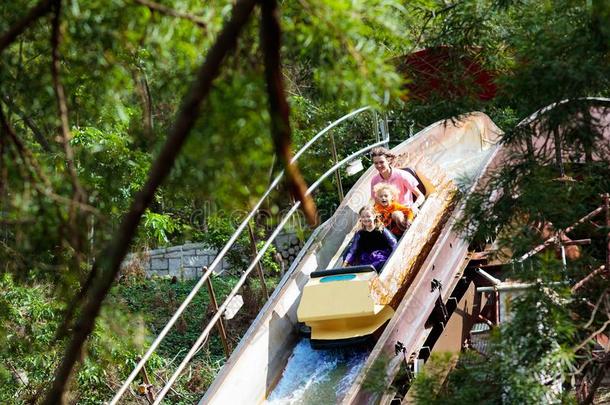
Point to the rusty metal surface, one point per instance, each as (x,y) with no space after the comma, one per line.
(445,263)
(454,334)
(458,328)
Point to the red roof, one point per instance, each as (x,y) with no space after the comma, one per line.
(444,71)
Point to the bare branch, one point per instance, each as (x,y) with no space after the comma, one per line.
(46,189)
(43,7)
(143,90)
(28,159)
(583,366)
(76,235)
(171,12)
(595,309)
(588,278)
(595,385)
(591,336)
(109,261)
(38,135)
(555,238)
(278,107)
(24,153)
(3,171)
(66,136)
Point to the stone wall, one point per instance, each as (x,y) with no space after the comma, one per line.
(288,245)
(186,261)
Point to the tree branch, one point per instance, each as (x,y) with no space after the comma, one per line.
(279,110)
(431,14)
(595,309)
(109,261)
(76,236)
(43,7)
(595,385)
(588,278)
(171,12)
(143,90)
(40,138)
(66,136)
(23,152)
(3,171)
(591,336)
(28,159)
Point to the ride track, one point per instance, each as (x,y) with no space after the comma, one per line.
(441,154)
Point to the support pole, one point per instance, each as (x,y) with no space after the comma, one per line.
(558,157)
(221,327)
(497,299)
(376,126)
(146,388)
(607,209)
(337,172)
(385,130)
(259,268)
(562,250)
(411,124)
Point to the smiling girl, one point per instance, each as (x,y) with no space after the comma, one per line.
(372,244)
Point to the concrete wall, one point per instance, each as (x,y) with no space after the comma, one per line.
(186,261)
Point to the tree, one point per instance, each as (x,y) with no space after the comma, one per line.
(90,90)
(542,53)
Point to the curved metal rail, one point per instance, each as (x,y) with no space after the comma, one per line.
(220,256)
(242,280)
(543,110)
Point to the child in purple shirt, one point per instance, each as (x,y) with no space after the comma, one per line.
(372,244)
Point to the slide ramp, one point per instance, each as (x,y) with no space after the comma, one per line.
(445,155)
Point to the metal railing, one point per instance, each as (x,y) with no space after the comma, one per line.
(242,280)
(221,254)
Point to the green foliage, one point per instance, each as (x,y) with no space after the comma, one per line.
(29,348)
(159,226)
(541,52)
(157,300)
(527,359)
(473,379)
(218,231)
(375,380)
(126,68)
(541,198)
(109,167)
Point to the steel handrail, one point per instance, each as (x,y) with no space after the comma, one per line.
(219,257)
(530,118)
(247,272)
(328,128)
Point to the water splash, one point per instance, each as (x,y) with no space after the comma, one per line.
(317,376)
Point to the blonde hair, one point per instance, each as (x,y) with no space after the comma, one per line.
(386,186)
(376,221)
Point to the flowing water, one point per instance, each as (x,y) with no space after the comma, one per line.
(317,376)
